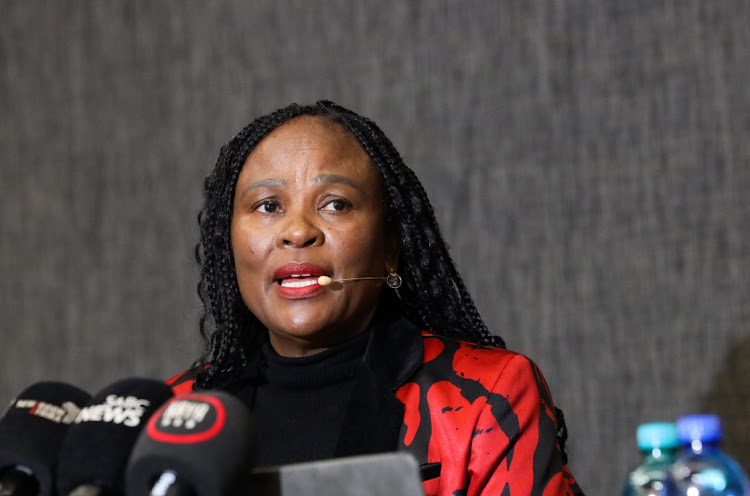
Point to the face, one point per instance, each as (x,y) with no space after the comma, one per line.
(308,203)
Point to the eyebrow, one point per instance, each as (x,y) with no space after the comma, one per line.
(323,178)
(335,178)
(264,183)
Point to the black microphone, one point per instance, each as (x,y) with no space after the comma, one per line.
(96,448)
(31,433)
(198,444)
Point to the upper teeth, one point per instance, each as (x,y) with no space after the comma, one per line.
(298,284)
(301,275)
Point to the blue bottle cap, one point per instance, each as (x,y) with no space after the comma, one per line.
(657,435)
(705,428)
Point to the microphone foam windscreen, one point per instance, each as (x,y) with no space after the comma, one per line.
(97,446)
(33,428)
(206,438)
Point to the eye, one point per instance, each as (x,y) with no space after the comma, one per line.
(267,207)
(336,205)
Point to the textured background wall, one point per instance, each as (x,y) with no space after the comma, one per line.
(588,160)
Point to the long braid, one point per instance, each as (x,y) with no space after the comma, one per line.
(428,265)
(227,327)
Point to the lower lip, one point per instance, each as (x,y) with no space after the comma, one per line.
(297,293)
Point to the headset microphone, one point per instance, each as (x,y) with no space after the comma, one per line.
(393,280)
(325,280)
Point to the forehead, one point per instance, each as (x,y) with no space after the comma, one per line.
(309,143)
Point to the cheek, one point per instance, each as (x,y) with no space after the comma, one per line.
(365,250)
(247,243)
(248,258)
(247,264)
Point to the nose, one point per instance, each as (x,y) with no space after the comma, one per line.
(300,231)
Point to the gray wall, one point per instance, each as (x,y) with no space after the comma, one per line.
(588,160)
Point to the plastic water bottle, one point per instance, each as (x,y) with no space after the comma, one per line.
(660,447)
(703,469)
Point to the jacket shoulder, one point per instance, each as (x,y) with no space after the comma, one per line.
(468,360)
(182,382)
(489,413)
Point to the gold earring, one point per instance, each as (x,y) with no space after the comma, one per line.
(393,280)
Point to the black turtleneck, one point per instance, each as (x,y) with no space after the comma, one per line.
(300,404)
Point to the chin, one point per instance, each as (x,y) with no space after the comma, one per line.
(300,328)
(310,333)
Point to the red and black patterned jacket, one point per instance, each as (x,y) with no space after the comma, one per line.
(479,420)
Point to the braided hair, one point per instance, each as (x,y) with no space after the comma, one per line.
(433,296)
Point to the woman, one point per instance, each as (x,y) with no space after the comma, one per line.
(333,309)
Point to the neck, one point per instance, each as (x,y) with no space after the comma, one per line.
(290,345)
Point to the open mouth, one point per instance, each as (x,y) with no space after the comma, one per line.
(298,281)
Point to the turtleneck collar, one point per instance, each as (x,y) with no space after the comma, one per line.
(331,366)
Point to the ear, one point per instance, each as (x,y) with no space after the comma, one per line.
(392,249)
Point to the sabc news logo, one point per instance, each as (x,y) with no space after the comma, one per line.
(124,410)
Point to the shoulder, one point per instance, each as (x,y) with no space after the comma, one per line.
(472,381)
(470,361)
(485,411)
(508,381)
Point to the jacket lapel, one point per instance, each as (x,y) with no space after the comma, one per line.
(374,415)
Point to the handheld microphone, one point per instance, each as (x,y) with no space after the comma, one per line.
(96,448)
(198,444)
(31,433)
